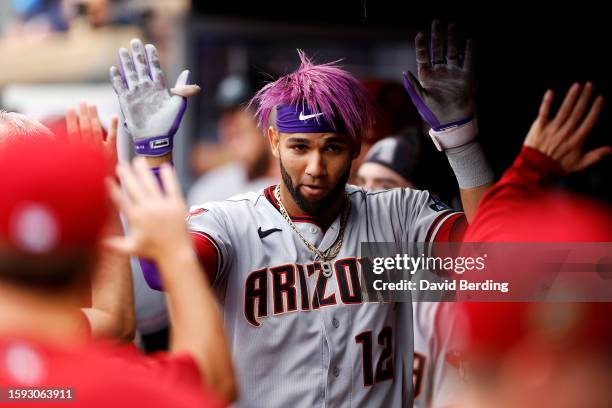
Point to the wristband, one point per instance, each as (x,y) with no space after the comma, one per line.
(454,135)
(470,165)
(153,146)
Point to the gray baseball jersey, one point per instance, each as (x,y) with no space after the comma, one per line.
(298,337)
(436,380)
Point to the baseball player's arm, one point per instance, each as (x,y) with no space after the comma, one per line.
(158,232)
(207,252)
(443,93)
(152,113)
(552,147)
(211,244)
(430,220)
(111,314)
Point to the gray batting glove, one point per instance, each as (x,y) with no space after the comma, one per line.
(444,90)
(152,114)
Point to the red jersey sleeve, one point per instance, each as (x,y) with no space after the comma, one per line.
(208,253)
(450,229)
(522,182)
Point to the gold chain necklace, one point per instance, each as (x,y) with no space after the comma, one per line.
(331,253)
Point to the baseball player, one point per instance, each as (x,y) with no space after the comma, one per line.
(390,163)
(285,261)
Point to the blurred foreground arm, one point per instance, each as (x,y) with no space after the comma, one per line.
(111,314)
(158,232)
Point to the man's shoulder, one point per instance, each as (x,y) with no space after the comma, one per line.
(236,206)
(251,197)
(386,196)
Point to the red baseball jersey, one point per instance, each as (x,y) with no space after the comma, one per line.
(96,375)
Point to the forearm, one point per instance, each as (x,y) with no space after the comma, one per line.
(469,163)
(105,325)
(470,198)
(157,161)
(196,323)
(112,313)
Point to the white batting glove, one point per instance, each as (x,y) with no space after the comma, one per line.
(152,114)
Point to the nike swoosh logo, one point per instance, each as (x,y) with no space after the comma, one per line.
(263,234)
(306,117)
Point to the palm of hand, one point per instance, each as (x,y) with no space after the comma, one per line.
(149,109)
(448,91)
(562,137)
(153,217)
(146,108)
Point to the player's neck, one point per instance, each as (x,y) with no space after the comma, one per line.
(324,218)
(34,315)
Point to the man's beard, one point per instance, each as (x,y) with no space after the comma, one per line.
(315,207)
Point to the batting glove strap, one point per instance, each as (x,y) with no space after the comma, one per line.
(454,134)
(153,146)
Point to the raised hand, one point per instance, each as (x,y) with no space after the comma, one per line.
(86,127)
(562,137)
(155,214)
(152,114)
(444,90)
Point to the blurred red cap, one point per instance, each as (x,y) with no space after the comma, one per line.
(53,196)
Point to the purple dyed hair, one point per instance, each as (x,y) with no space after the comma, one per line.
(323,88)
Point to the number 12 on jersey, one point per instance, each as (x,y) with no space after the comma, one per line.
(384,366)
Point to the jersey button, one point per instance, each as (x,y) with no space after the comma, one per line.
(335,323)
(313,230)
(336,371)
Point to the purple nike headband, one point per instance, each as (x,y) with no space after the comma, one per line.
(300,119)
(326,88)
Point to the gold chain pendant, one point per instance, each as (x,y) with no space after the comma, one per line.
(330,254)
(327,268)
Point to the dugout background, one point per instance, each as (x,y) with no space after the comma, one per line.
(522,48)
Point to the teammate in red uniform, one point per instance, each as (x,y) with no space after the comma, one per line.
(53,208)
(543,354)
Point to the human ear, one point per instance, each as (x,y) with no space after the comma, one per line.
(274,139)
